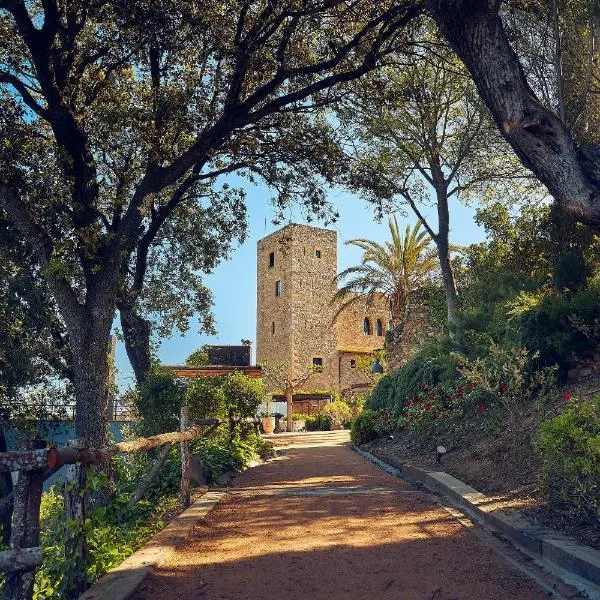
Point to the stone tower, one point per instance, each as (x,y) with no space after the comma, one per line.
(296,268)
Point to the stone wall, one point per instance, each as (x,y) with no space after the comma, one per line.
(298,326)
(352,371)
(314,267)
(349,325)
(273,335)
(295,327)
(404,340)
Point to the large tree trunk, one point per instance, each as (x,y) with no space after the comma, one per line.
(136,334)
(442,242)
(537,135)
(90,347)
(6,489)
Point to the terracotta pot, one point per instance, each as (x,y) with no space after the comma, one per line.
(336,427)
(268,424)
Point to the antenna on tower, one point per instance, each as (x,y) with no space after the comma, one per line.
(265,225)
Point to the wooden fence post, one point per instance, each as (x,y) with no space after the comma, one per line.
(76,498)
(184,496)
(147,481)
(25,535)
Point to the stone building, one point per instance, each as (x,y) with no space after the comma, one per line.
(296,324)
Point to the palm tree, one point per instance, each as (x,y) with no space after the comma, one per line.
(396,270)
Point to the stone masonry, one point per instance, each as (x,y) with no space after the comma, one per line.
(296,324)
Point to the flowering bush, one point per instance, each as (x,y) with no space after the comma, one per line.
(432,405)
(504,378)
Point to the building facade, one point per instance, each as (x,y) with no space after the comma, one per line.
(296,316)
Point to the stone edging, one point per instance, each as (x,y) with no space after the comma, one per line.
(123,581)
(538,541)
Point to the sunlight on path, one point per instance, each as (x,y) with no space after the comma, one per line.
(322,523)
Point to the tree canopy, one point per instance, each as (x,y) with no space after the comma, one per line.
(114,115)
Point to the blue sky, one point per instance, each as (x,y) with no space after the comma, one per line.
(233,282)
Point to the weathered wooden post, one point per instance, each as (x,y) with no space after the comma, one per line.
(184,495)
(76,498)
(147,481)
(25,554)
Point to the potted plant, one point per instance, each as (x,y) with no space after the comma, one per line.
(268,420)
(298,422)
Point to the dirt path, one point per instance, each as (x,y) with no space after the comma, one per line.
(322,523)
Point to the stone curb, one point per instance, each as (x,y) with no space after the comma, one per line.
(541,542)
(123,581)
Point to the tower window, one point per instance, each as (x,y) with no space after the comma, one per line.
(379,327)
(367,326)
(278,288)
(273,327)
(318,253)
(271,259)
(352,363)
(317,362)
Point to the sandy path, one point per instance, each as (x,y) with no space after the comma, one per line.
(337,540)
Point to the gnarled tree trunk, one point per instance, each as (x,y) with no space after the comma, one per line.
(537,135)
(136,335)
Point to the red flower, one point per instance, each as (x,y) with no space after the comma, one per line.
(422,386)
(504,389)
(481,407)
(428,406)
(567,396)
(459,389)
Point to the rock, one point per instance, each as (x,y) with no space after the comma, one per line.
(226,479)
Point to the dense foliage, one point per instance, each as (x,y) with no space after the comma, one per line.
(159,398)
(433,364)
(570,477)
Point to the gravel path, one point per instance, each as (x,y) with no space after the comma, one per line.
(322,523)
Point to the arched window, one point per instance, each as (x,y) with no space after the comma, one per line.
(367,326)
(379,327)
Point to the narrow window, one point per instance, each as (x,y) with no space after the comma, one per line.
(317,362)
(352,363)
(318,253)
(367,326)
(278,288)
(273,327)
(272,259)
(379,327)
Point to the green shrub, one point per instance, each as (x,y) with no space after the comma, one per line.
(570,475)
(434,364)
(505,378)
(243,394)
(158,402)
(559,329)
(205,398)
(364,428)
(318,423)
(338,412)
